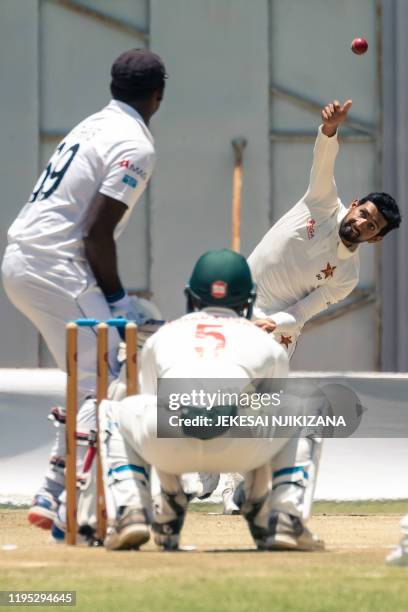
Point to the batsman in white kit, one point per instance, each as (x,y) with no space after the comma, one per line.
(60,264)
(214,340)
(307,261)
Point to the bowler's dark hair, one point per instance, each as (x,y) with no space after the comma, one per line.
(387,206)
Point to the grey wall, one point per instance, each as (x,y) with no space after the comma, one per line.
(19,151)
(217,57)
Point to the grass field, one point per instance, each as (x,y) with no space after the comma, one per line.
(350,576)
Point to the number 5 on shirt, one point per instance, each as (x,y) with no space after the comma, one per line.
(211,339)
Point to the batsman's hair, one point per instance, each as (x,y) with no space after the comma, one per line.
(387,206)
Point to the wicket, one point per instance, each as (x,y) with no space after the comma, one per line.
(101,393)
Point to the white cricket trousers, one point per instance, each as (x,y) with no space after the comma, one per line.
(294,479)
(51,292)
(130,445)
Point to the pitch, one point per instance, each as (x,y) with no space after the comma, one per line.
(224,573)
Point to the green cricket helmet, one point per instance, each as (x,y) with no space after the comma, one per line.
(221,278)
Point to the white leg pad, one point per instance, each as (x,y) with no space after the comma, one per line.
(290,475)
(126,475)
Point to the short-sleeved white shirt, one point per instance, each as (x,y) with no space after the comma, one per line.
(210,343)
(111,152)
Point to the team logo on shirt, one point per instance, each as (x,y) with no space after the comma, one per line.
(219,289)
(310,228)
(328,272)
(129,180)
(286,340)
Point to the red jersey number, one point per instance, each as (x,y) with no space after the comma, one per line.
(211,339)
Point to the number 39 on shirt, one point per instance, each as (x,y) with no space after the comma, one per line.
(53,174)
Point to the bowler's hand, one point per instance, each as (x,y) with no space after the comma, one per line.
(333,115)
(266,325)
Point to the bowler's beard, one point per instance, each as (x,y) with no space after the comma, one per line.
(348,233)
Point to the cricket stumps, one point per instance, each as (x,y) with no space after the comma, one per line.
(102,383)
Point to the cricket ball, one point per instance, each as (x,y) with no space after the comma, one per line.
(359,46)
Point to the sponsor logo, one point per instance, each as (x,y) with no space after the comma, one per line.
(125,163)
(219,289)
(310,228)
(129,180)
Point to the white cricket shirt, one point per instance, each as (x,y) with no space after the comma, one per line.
(111,152)
(301,266)
(212,343)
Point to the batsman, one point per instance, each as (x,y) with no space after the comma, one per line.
(307,261)
(61,262)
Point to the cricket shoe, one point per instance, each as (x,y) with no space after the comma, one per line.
(230,507)
(85,536)
(59,526)
(272,530)
(208,482)
(129,531)
(399,556)
(287,532)
(43,511)
(169,514)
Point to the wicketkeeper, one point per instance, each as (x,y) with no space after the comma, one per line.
(214,340)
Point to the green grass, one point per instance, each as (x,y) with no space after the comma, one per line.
(256,583)
(393,506)
(350,577)
(14,507)
(398,506)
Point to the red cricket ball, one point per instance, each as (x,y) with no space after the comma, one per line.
(359,46)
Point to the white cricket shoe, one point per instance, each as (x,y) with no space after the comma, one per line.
(287,532)
(272,530)
(129,531)
(230,507)
(399,556)
(208,482)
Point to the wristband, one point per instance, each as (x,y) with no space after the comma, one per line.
(121,302)
(115,297)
